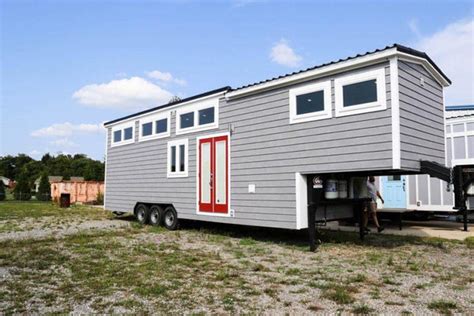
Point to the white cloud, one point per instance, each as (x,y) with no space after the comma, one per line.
(413,25)
(452,49)
(165,77)
(63,142)
(130,93)
(284,55)
(35,154)
(67,129)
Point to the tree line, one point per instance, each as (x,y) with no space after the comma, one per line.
(25,170)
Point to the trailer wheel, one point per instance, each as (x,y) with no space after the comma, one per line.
(156,214)
(170,218)
(141,213)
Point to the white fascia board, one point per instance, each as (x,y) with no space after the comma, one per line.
(167,108)
(312,74)
(414,59)
(395,103)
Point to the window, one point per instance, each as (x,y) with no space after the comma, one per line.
(117,136)
(155,126)
(161,126)
(360,93)
(198,116)
(458,128)
(206,116)
(147,129)
(128,133)
(178,158)
(123,134)
(448,129)
(187,120)
(310,102)
(459,147)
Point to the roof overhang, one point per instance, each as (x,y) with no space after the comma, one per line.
(339,67)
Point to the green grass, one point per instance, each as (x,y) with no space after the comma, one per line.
(339,293)
(443,306)
(13,210)
(362,309)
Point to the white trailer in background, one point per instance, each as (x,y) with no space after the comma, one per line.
(423,193)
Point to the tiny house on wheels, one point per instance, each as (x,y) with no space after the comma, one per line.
(251,155)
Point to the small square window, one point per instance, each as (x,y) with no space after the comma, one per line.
(117,136)
(161,126)
(187,120)
(206,116)
(147,129)
(128,133)
(310,102)
(458,128)
(360,93)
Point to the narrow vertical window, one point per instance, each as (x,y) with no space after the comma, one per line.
(173,158)
(181,158)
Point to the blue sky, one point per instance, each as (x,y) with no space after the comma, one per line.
(68,66)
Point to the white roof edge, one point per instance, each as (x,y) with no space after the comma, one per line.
(335,68)
(164,109)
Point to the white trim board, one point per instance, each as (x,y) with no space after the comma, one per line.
(395,106)
(301,201)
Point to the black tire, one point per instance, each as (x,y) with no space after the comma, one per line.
(155,215)
(170,218)
(142,213)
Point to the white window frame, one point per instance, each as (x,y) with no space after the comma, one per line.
(152,119)
(313,116)
(379,105)
(194,108)
(122,127)
(177,173)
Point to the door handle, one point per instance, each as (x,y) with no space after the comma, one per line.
(210,181)
(403,185)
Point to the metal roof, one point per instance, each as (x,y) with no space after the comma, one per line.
(194,97)
(400,48)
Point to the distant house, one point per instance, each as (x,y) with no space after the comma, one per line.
(76,179)
(51,179)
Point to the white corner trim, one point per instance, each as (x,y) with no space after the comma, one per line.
(315,87)
(360,76)
(105,164)
(229,210)
(122,127)
(195,107)
(395,102)
(152,119)
(177,143)
(301,201)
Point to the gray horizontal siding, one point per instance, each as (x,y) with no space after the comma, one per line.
(421,117)
(265,150)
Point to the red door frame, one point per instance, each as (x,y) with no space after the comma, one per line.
(213,207)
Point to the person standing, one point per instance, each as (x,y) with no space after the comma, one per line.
(371,208)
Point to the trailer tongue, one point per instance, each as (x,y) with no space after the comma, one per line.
(461,177)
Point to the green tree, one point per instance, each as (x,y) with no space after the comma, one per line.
(44,189)
(2,191)
(22,189)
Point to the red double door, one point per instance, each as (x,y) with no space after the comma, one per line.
(214,174)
